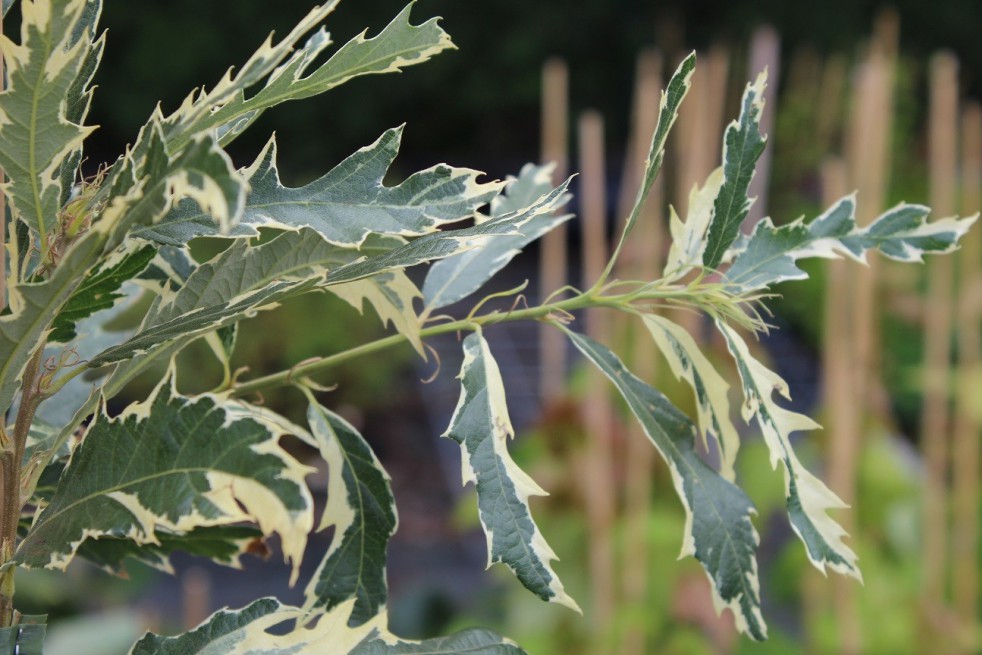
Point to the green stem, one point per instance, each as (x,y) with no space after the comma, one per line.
(284,378)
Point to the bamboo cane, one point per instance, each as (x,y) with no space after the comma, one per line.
(938,313)
(600,492)
(966,450)
(553,259)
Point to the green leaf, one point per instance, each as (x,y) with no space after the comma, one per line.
(718,527)
(468,642)
(742,145)
(362,510)
(901,233)
(99,290)
(668,112)
(480,425)
(172,464)
(687,362)
(808,498)
(222,544)
(346,205)
(36,135)
(455,278)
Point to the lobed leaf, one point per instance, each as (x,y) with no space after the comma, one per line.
(742,146)
(447,243)
(362,510)
(195,112)
(36,135)
(718,530)
(480,425)
(808,498)
(901,233)
(688,362)
(456,277)
(172,464)
(344,206)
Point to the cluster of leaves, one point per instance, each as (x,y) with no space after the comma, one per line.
(206,474)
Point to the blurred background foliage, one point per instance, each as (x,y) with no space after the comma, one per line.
(479,107)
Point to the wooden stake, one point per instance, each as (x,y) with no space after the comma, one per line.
(600,492)
(966,450)
(938,312)
(765,53)
(553,259)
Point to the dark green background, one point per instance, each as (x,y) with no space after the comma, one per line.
(477,106)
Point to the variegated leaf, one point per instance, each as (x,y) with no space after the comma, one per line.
(147,182)
(399,45)
(362,510)
(689,238)
(455,278)
(668,112)
(718,527)
(33,306)
(196,110)
(79,96)
(345,205)
(235,284)
(468,642)
(100,290)
(246,632)
(688,362)
(176,464)
(391,295)
(222,544)
(36,134)
(901,233)
(808,498)
(742,146)
(447,243)
(481,426)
